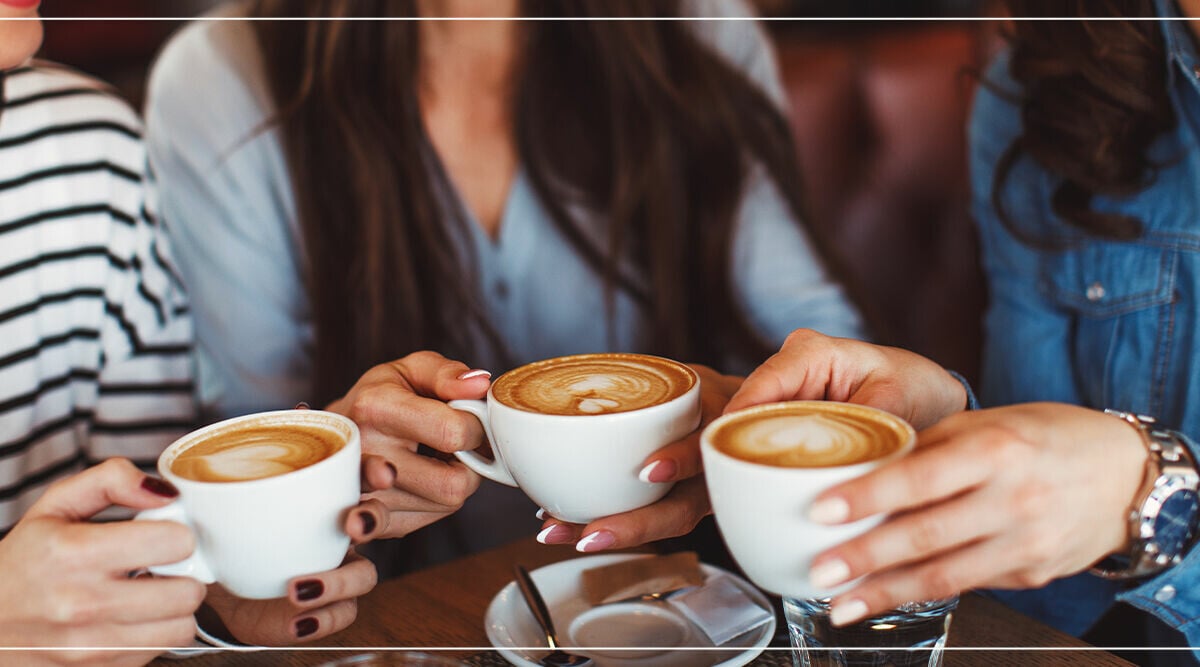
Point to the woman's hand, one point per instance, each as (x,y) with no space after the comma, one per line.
(65,582)
(1012,497)
(399,405)
(678,512)
(317,605)
(813,366)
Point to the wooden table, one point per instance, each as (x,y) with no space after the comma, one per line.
(443,606)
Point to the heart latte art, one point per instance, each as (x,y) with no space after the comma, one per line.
(593,384)
(810,435)
(255,452)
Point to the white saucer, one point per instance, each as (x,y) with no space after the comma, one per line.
(613,628)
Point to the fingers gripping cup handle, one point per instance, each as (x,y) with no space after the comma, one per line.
(493,469)
(193,566)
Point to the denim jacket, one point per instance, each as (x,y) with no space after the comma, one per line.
(1098,323)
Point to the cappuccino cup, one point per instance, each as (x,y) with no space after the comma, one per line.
(573,432)
(266,496)
(765,465)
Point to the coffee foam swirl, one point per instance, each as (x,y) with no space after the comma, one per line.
(593,384)
(810,437)
(255,452)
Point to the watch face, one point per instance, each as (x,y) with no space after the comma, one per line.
(1175,524)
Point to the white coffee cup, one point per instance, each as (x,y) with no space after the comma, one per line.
(762,510)
(580,468)
(254,536)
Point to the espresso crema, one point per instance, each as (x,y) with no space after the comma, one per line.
(256,451)
(810,434)
(593,384)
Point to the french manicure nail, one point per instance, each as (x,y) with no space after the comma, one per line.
(160,487)
(556,534)
(306,626)
(309,589)
(829,573)
(662,470)
(475,373)
(597,541)
(830,510)
(850,611)
(301,406)
(368,522)
(541,514)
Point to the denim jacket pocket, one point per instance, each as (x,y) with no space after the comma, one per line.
(1120,297)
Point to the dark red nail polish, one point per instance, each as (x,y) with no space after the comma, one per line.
(309,589)
(306,626)
(160,487)
(368,522)
(301,406)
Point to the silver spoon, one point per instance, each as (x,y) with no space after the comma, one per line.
(557,657)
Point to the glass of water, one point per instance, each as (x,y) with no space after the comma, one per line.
(910,636)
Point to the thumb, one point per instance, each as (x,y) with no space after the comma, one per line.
(114,482)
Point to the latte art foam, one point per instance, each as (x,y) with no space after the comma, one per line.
(593,384)
(255,452)
(813,435)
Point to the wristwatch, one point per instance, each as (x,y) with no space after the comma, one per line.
(1162,520)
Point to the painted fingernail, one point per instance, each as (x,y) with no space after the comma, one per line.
(556,534)
(368,522)
(830,510)
(541,514)
(850,611)
(597,541)
(160,487)
(662,470)
(829,573)
(475,373)
(306,626)
(301,406)
(309,589)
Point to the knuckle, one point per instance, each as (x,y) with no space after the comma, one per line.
(66,548)
(181,633)
(800,336)
(454,432)
(926,535)
(938,582)
(74,607)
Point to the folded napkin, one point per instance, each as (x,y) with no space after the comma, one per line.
(717,606)
(641,576)
(721,609)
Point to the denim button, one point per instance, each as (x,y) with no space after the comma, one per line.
(1095,292)
(1165,593)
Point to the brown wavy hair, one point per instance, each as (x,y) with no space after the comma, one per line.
(638,122)
(1094,97)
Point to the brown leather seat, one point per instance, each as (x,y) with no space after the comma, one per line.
(879,116)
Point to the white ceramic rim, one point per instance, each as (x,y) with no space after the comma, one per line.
(693,391)
(863,466)
(168,456)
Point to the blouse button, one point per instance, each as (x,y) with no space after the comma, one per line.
(1095,292)
(1165,593)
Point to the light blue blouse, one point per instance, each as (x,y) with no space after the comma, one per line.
(226,191)
(225,188)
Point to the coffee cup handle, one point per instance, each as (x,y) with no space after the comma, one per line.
(493,469)
(194,566)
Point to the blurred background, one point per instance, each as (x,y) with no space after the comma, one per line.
(878,108)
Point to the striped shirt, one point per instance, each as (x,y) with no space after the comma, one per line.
(94,329)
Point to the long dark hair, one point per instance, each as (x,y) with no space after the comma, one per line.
(638,123)
(1094,97)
